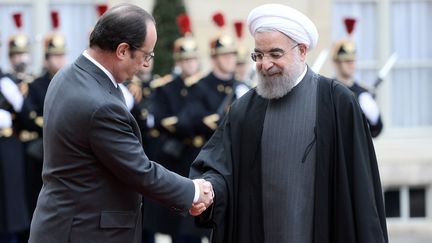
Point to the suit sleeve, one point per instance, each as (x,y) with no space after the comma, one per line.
(115,145)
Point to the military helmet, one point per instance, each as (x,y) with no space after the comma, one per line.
(243,54)
(186,46)
(222,43)
(344,50)
(19,42)
(54,42)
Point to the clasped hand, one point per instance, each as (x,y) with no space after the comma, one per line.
(205,198)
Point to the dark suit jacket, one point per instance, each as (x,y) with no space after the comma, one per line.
(95,169)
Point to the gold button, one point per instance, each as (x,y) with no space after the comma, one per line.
(228,90)
(7,132)
(198,141)
(39,121)
(154,133)
(32,115)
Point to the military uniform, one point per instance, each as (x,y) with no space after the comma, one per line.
(31,136)
(214,94)
(173,109)
(14,216)
(142,114)
(18,50)
(345,51)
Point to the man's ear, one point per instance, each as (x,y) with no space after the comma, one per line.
(122,50)
(303,51)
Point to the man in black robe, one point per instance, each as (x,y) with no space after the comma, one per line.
(293,160)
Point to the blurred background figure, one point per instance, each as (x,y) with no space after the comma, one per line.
(54,60)
(19,55)
(219,88)
(14,214)
(173,109)
(344,60)
(142,92)
(243,70)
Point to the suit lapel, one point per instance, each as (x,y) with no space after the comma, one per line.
(86,65)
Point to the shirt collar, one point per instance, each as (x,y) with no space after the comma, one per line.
(110,76)
(300,78)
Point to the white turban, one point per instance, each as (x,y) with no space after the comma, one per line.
(287,20)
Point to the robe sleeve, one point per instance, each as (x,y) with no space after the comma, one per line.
(214,164)
(361,188)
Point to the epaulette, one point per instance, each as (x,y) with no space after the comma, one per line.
(135,80)
(191,80)
(159,82)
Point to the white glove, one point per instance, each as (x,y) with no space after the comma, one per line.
(369,107)
(12,94)
(5,119)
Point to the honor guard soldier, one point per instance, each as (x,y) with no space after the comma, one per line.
(219,88)
(54,60)
(242,72)
(344,60)
(14,214)
(173,108)
(19,56)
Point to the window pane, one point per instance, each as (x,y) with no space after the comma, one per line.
(411,97)
(392,203)
(417,198)
(410,29)
(411,79)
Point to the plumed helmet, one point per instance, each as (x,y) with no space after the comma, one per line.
(222,43)
(54,42)
(345,49)
(185,47)
(19,42)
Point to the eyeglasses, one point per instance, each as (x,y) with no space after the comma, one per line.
(273,55)
(147,56)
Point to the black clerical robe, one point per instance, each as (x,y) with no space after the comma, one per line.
(348,203)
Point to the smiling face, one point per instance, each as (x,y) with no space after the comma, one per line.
(280,62)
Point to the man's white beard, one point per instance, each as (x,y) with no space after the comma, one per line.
(278,86)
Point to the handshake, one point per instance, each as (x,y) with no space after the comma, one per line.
(205,198)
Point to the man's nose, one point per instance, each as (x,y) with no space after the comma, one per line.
(266,63)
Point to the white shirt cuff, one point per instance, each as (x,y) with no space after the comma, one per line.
(197,192)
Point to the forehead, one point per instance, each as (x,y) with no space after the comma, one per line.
(151,37)
(271,39)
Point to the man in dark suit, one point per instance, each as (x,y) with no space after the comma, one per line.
(95,168)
